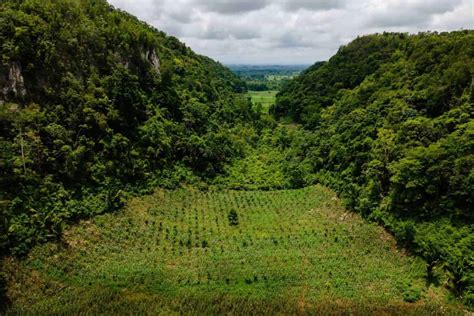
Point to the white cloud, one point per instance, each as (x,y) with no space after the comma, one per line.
(291,31)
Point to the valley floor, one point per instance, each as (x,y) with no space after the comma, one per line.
(265,98)
(219,252)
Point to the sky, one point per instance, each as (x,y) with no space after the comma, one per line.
(291,31)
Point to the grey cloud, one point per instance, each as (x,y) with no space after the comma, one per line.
(289,31)
(435,7)
(222,28)
(245,34)
(390,20)
(313,5)
(222,34)
(411,13)
(231,6)
(181,18)
(293,40)
(216,34)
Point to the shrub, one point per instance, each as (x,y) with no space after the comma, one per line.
(233,218)
(412,294)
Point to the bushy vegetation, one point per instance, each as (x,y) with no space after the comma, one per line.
(94,101)
(225,252)
(271,160)
(390,126)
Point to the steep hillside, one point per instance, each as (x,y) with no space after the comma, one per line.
(93,100)
(303,98)
(390,126)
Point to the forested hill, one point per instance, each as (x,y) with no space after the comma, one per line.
(93,100)
(390,126)
(437,64)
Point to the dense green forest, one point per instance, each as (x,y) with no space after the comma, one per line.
(389,125)
(94,101)
(97,107)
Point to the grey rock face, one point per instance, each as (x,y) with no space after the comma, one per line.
(153,59)
(12,82)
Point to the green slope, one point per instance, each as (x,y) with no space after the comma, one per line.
(293,251)
(94,101)
(390,127)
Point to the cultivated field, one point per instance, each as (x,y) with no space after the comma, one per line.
(265,98)
(239,252)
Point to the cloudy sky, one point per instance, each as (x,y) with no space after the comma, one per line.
(291,31)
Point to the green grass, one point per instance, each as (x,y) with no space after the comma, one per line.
(265,98)
(290,252)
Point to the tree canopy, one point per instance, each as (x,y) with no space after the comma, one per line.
(389,123)
(94,100)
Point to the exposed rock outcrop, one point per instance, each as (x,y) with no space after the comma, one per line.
(153,59)
(12,82)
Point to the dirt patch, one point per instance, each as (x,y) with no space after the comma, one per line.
(76,241)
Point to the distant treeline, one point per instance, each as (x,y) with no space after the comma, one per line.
(266,77)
